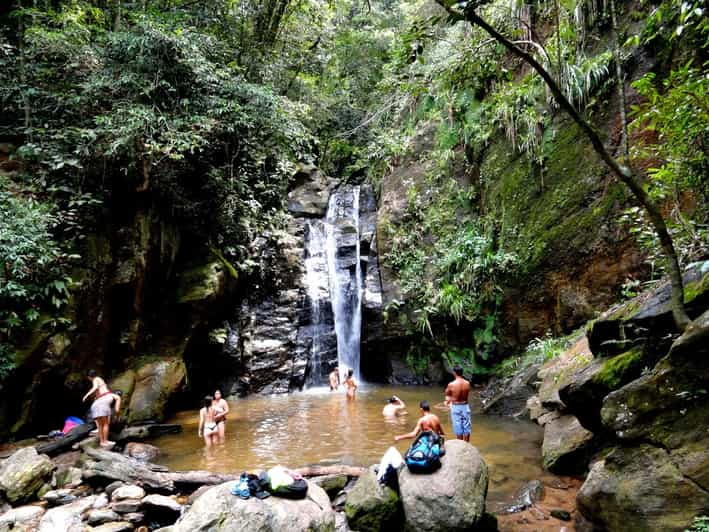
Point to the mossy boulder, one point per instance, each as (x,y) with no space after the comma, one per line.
(371,507)
(641,488)
(125,382)
(202,283)
(23,474)
(583,391)
(567,446)
(647,319)
(156,383)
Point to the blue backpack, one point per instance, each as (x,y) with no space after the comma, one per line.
(424,455)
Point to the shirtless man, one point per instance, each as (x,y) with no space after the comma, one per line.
(221,409)
(101,407)
(427,421)
(334,379)
(395,407)
(350,384)
(457,399)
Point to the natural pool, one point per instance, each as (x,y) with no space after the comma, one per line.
(322,427)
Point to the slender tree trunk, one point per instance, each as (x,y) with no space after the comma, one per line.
(620,80)
(624,173)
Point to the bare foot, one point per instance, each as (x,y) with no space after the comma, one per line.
(108,444)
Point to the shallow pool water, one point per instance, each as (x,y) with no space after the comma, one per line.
(322,427)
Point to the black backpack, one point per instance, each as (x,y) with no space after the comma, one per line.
(424,455)
(297,490)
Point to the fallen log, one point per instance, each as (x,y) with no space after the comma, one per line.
(318,471)
(189,481)
(58,446)
(109,467)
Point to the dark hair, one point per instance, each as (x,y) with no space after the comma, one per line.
(208,401)
(119,393)
(425,406)
(458,371)
(392,399)
(350,372)
(91,373)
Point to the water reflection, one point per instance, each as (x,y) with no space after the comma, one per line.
(323,427)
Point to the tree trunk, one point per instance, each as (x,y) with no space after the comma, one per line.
(624,173)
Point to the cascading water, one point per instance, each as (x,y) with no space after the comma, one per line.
(345,272)
(333,278)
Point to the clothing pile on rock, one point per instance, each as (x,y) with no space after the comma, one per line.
(277,481)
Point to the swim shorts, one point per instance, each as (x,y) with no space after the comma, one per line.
(460,419)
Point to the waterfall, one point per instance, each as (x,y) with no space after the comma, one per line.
(345,272)
(333,280)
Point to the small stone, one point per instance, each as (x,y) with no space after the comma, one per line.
(100,502)
(126,506)
(113,486)
(59,497)
(116,526)
(134,517)
(99,517)
(128,492)
(561,514)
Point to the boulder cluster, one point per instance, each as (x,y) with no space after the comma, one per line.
(626,408)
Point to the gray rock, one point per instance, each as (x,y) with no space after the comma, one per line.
(67,518)
(59,497)
(68,477)
(126,506)
(134,517)
(142,451)
(98,517)
(451,498)
(156,383)
(371,507)
(161,504)
(332,484)
(113,486)
(218,510)
(567,446)
(640,488)
(128,492)
(24,473)
(509,397)
(117,526)
(24,516)
(310,196)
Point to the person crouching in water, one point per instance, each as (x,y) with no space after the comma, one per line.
(427,421)
(395,407)
(101,406)
(207,426)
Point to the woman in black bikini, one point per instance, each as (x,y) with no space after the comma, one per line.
(207,426)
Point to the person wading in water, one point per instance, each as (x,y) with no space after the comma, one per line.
(350,384)
(221,409)
(457,399)
(207,426)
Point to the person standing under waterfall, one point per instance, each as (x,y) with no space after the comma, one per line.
(334,379)
(350,384)
(457,399)
(221,409)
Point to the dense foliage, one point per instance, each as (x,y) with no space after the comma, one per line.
(206,108)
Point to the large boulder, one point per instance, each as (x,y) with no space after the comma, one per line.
(555,373)
(24,473)
(67,518)
(310,195)
(218,510)
(156,383)
(372,507)
(22,518)
(567,446)
(647,319)
(451,498)
(509,397)
(584,390)
(640,488)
